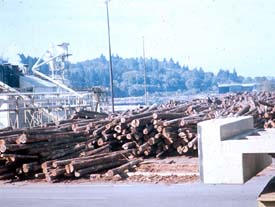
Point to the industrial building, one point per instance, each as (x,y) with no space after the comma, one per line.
(236,87)
(28,100)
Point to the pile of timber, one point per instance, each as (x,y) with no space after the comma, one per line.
(92,143)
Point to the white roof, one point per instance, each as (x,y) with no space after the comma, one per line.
(32,81)
(237,84)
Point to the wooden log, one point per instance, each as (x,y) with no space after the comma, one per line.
(15,157)
(11,139)
(110,126)
(152,108)
(118,128)
(186,122)
(190,135)
(4,169)
(265,103)
(158,136)
(100,122)
(24,138)
(12,147)
(39,175)
(147,152)
(130,136)
(107,136)
(58,163)
(58,172)
(31,167)
(177,122)
(99,167)
(77,128)
(44,151)
(148,129)
(183,135)
(163,152)
(121,137)
(18,171)
(129,145)
(185,149)
(89,152)
(129,119)
(168,140)
(99,130)
(44,130)
(123,167)
(46,165)
(36,148)
(181,108)
(8,175)
(125,131)
(87,163)
(159,129)
(243,110)
(168,116)
(50,178)
(178,142)
(11,132)
(141,121)
(105,149)
(62,153)
(143,147)
(91,114)
(138,136)
(101,141)
(157,123)
(193,142)
(169,135)
(9,128)
(153,141)
(33,148)
(179,149)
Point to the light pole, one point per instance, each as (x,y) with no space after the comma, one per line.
(144,68)
(110,58)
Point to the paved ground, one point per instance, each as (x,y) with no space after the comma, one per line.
(86,194)
(83,195)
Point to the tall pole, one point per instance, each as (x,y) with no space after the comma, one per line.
(144,68)
(110,58)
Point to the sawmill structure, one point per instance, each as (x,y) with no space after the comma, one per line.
(32,98)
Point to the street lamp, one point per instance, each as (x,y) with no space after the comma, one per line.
(110,58)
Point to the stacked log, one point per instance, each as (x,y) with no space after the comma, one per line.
(96,143)
(74,148)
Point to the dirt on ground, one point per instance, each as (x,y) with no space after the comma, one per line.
(171,170)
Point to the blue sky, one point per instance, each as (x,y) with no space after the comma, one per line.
(211,34)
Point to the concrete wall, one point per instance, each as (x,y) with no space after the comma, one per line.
(231,165)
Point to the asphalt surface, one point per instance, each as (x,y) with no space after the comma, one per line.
(153,195)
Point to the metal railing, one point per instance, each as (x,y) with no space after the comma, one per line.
(33,109)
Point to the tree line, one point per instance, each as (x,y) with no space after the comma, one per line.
(161,76)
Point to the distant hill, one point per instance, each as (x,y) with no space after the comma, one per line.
(161,76)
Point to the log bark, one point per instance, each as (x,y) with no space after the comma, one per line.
(98,168)
(31,167)
(87,163)
(123,167)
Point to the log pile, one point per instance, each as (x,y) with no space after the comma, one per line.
(92,143)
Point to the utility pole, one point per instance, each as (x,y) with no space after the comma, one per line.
(110,58)
(144,68)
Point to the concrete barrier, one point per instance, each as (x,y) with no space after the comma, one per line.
(267,196)
(231,151)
